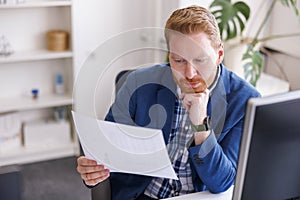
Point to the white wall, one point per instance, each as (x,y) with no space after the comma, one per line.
(185,3)
(285,65)
(97,22)
(284,21)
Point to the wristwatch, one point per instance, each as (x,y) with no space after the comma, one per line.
(202,127)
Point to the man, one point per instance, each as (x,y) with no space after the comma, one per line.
(198,104)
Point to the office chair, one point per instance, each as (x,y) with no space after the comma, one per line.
(101,191)
(10,182)
(120,79)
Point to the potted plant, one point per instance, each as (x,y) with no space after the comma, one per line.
(232,18)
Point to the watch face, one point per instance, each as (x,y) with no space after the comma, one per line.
(198,128)
(202,127)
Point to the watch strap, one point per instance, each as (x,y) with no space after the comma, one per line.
(201,127)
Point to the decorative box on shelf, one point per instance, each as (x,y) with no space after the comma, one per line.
(46,132)
(10,131)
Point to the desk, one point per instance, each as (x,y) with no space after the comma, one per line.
(206,195)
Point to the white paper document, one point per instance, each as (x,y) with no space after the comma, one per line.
(124,148)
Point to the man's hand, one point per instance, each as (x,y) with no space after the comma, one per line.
(91,172)
(196,104)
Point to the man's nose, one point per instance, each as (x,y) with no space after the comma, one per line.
(190,71)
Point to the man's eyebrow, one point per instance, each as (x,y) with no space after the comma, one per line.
(201,57)
(175,55)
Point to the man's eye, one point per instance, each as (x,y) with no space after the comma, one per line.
(179,60)
(201,60)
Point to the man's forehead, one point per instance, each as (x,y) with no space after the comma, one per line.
(186,51)
(179,43)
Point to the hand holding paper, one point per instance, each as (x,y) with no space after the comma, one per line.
(123,148)
(91,172)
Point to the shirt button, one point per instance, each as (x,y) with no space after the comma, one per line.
(186,128)
(198,162)
(176,193)
(181,151)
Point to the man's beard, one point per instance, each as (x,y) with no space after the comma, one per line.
(194,85)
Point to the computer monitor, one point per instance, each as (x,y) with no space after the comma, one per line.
(269,159)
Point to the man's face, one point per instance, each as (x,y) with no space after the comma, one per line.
(193,61)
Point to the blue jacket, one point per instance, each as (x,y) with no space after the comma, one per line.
(214,162)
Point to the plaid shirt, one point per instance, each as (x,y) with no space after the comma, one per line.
(177,146)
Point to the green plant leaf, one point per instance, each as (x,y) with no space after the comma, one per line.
(291,3)
(253,65)
(231,17)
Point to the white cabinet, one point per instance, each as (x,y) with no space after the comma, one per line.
(32,66)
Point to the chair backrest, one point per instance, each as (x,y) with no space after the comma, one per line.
(120,78)
(101,191)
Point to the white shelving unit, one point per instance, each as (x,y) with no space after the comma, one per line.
(32,66)
(23,154)
(34,55)
(38,3)
(27,103)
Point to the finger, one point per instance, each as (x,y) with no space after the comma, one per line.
(182,95)
(193,95)
(82,160)
(94,175)
(88,169)
(205,92)
(186,105)
(93,182)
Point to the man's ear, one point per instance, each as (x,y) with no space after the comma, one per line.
(220,54)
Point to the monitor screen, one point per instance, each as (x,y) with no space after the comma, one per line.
(269,159)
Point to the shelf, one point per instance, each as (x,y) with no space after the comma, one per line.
(23,154)
(26,103)
(34,55)
(32,64)
(36,4)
